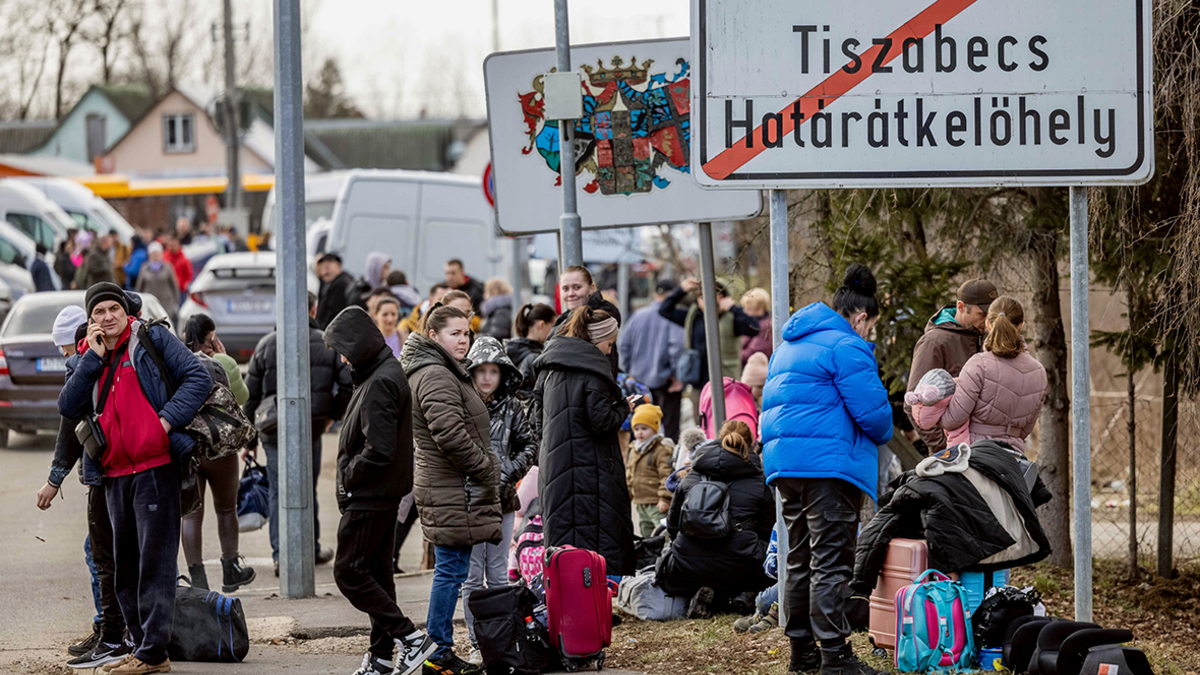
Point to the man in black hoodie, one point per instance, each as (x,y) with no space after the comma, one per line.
(374,471)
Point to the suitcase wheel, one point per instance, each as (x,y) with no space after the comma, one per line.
(599,663)
(570,666)
(880,652)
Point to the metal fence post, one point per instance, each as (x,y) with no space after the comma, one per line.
(296,545)
(1081,405)
(780,306)
(571,243)
(712,336)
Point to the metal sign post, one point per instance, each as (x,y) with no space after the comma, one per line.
(572,238)
(780,310)
(1081,408)
(296,543)
(712,336)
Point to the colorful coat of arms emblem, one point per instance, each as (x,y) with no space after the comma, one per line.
(633,124)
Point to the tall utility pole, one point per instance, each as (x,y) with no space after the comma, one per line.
(570,242)
(233,193)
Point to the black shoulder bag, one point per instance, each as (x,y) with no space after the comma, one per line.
(88,431)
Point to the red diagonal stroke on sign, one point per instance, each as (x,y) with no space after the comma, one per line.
(837,84)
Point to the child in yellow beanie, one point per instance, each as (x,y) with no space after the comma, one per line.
(648,467)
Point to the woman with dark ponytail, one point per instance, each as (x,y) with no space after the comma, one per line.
(532,327)
(1001,389)
(716,570)
(824,412)
(584,495)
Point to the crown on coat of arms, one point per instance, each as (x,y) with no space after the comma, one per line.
(632,73)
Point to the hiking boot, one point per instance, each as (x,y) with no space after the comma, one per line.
(768,622)
(136,666)
(743,624)
(87,644)
(323,555)
(449,664)
(236,576)
(744,603)
(698,607)
(197,575)
(806,658)
(842,661)
(103,654)
(412,651)
(372,665)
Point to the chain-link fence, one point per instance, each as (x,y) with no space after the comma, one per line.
(1113,491)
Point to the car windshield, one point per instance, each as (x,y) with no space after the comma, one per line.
(32,318)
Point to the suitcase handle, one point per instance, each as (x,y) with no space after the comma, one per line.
(587,577)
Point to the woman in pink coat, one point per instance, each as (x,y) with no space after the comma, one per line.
(1001,389)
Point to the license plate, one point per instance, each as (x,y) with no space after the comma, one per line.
(251,307)
(51,365)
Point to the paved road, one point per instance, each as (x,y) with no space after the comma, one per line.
(47,592)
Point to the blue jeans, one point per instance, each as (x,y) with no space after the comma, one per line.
(450,570)
(270,446)
(87,556)
(767,598)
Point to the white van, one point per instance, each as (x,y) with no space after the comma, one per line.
(87,211)
(320,195)
(419,218)
(31,212)
(17,253)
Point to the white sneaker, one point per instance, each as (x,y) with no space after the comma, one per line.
(474,657)
(374,666)
(412,651)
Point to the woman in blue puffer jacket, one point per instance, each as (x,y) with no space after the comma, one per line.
(824,412)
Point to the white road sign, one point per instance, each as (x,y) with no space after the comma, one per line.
(633,142)
(922,92)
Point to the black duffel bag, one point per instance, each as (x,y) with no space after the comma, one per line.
(208,626)
(511,640)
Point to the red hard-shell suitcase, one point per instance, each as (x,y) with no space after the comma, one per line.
(578,604)
(906,560)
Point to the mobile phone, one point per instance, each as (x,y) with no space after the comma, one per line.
(638,400)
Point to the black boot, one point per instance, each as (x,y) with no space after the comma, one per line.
(806,658)
(698,607)
(841,660)
(235,575)
(198,577)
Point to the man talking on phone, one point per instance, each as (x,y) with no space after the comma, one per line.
(130,422)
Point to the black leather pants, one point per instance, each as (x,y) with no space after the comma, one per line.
(822,523)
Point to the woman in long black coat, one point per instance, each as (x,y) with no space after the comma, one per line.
(585,499)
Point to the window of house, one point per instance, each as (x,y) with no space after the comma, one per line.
(179,132)
(96,136)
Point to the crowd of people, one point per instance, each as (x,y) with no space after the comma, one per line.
(470,416)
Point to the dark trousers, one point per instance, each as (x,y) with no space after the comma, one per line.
(821,515)
(144,508)
(271,450)
(363,572)
(100,534)
(670,404)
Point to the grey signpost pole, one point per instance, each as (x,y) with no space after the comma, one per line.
(571,243)
(780,306)
(1081,398)
(712,337)
(296,545)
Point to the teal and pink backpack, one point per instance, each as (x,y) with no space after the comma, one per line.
(933,628)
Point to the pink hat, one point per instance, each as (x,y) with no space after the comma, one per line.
(754,374)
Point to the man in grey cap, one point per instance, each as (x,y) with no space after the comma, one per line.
(952,336)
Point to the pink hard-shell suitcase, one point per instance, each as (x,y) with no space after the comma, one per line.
(906,560)
(578,604)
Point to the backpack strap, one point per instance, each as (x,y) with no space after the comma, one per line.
(688,323)
(156,355)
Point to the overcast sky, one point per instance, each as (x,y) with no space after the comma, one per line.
(398,56)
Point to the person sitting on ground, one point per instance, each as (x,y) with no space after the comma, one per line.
(648,467)
(497,309)
(720,566)
(497,380)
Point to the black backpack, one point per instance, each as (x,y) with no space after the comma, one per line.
(511,640)
(1001,606)
(705,511)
